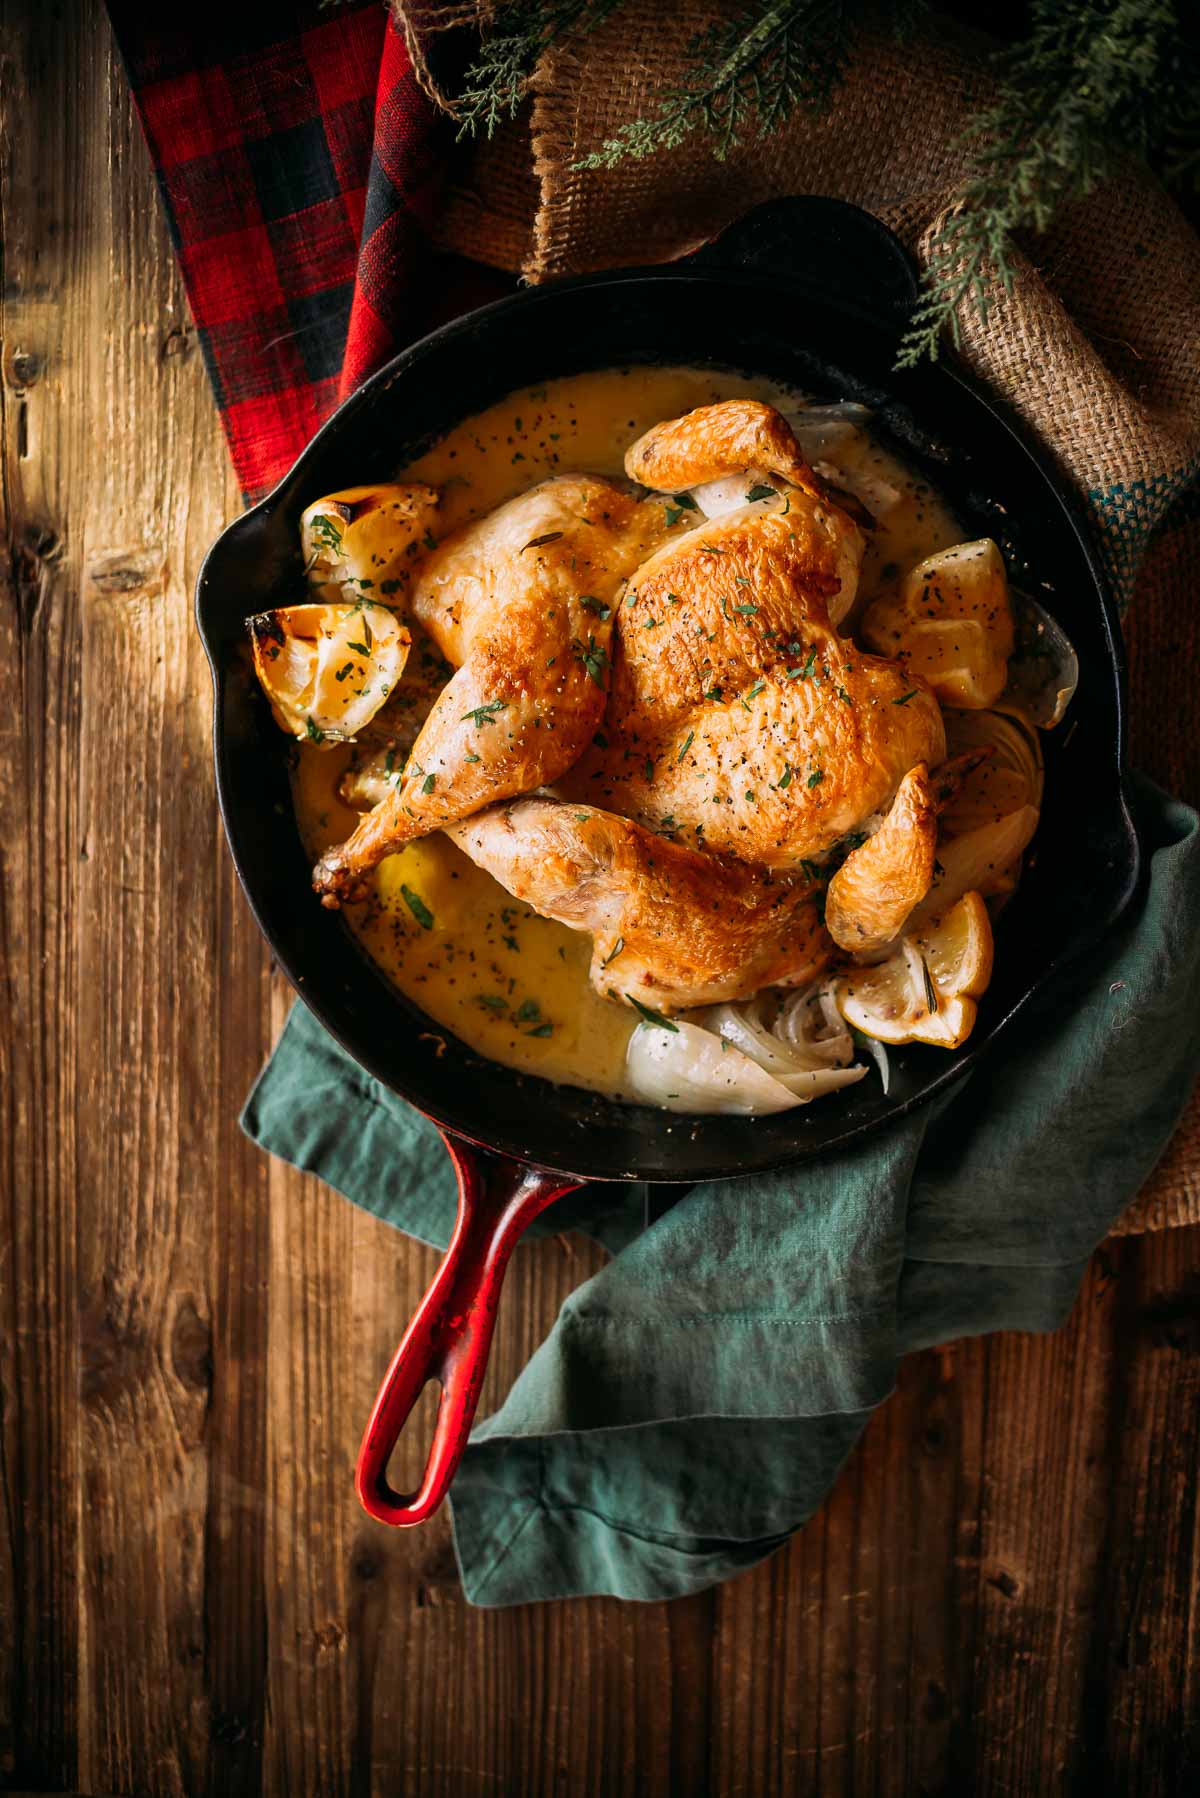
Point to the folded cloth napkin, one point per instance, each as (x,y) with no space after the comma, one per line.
(695,1399)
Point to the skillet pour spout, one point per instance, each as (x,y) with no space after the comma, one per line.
(813,294)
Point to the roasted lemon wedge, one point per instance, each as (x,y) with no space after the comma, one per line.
(366,541)
(925,992)
(327,669)
(952,623)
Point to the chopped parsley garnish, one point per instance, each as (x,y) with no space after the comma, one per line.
(429,783)
(649,769)
(687,502)
(327,534)
(786,778)
(760,491)
(651,624)
(842,694)
(614,951)
(816,777)
(593,658)
(713,693)
(390,586)
(528,1012)
(485,714)
(595,605)
(492,1002)
(673,514)
(905,697)
(747,611)
(473,758)
(541,1030)
(652,1017)
(582,817)
(687,745)
(313,731)
(758,687)
(417,907)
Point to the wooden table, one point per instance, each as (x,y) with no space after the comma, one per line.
(1000,1596)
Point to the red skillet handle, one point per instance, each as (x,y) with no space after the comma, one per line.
(449,1338)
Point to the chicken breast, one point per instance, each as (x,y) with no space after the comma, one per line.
(522,603)
(738,716)
(672,927)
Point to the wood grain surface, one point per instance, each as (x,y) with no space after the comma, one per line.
(1001,1596)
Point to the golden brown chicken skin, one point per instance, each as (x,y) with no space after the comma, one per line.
(672,927)
(878,884)
(522,601)
(738,717)
(728,438)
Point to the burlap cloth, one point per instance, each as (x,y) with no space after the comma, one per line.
(1097,346)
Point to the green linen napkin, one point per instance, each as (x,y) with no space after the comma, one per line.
(695,1399)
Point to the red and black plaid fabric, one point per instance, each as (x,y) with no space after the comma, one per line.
(301,167)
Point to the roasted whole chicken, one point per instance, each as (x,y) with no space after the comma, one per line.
(655,731)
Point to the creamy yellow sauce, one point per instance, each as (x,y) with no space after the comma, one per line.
(511,984)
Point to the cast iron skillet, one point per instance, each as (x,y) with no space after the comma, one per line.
(809,291)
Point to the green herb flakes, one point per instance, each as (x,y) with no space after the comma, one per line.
(652,1017)
(485,714)
(417,907)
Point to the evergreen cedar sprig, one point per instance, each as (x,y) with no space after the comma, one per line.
(1094,80)
(518,32)
(754,68)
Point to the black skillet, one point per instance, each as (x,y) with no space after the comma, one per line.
(807,291)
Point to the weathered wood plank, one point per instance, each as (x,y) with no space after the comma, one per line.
(130,485)
(39,851)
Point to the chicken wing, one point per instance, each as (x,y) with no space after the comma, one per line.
(879,883)
(732,437)
(522,602)
(672,927)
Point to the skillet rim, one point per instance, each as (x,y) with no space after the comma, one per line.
(705,268)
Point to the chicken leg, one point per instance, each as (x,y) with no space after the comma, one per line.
(523,601)
(673,928)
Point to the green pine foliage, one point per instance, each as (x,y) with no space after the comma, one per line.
(749,71)
(1091,82)
(1094,81)
(519,32)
